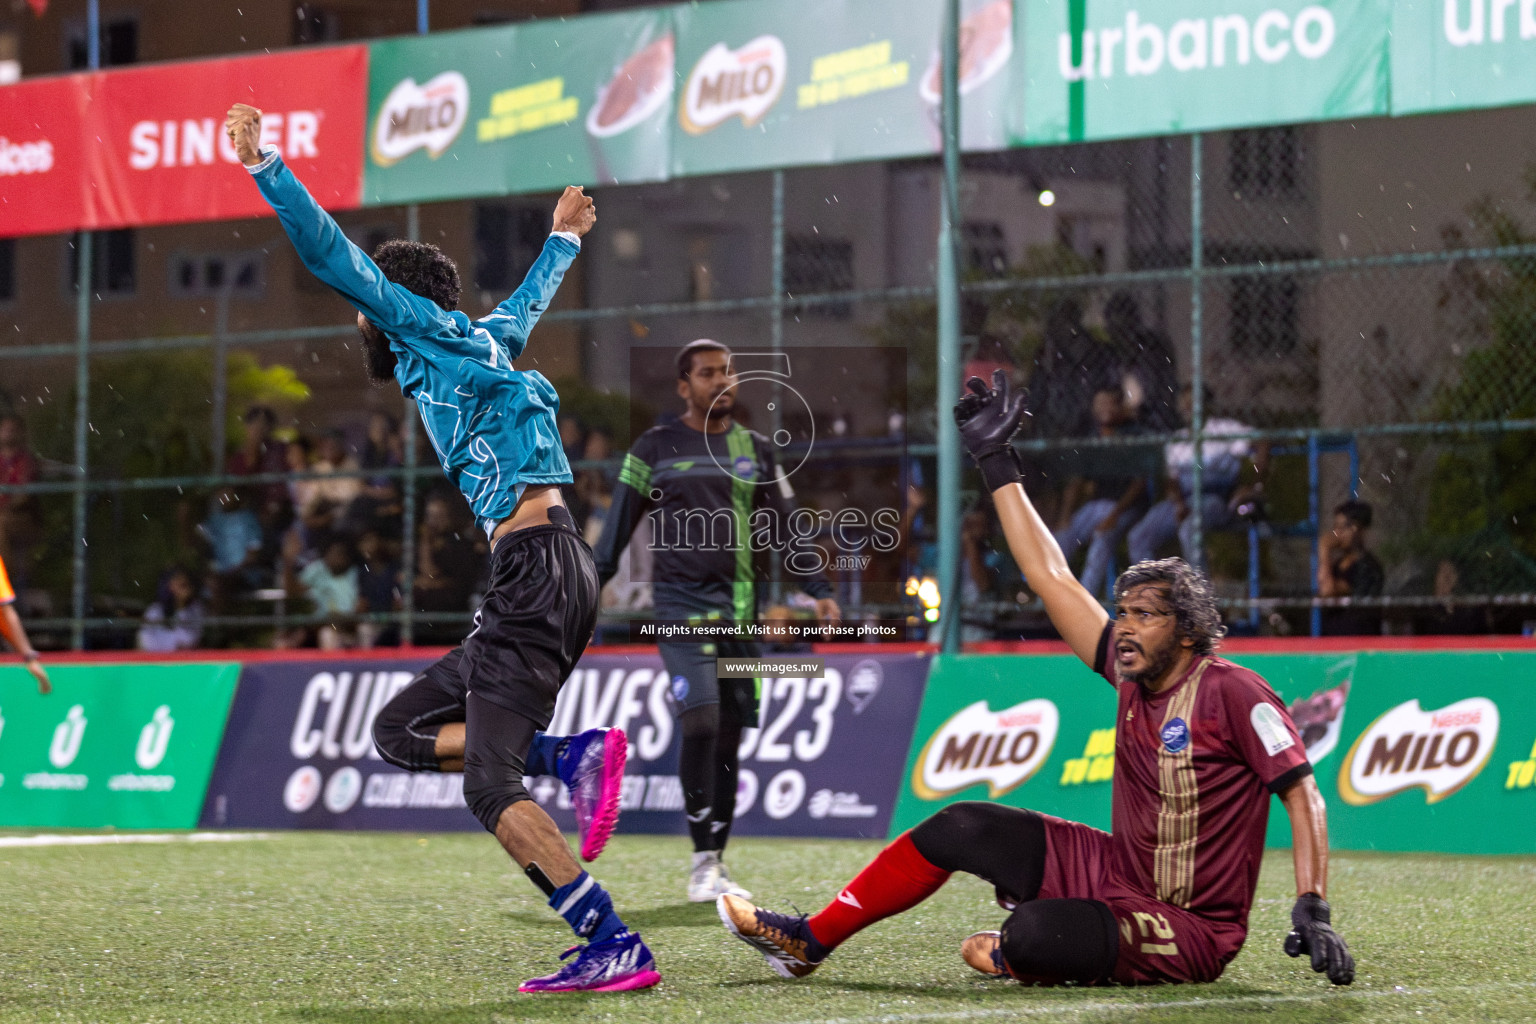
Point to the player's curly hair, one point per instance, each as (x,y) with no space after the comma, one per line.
(422,268)
(1196,614)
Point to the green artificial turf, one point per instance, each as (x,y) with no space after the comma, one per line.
(390,928)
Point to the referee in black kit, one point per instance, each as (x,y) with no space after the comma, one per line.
(690,474)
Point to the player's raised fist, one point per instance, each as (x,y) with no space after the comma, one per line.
(243,126)
(575,212)
(988,418)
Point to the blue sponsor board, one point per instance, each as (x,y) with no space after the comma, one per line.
(826,759)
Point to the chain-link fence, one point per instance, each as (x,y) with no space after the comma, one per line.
(1342,311)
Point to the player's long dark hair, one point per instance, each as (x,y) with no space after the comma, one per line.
(422,268)
(1196,614)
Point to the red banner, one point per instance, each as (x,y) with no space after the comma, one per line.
(42,186)
(146,145)
(162,155)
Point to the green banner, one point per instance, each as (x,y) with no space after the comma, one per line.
(126,746)
(524,108)
(1459,54)
(1119,68)
(1412,751)
(773,83)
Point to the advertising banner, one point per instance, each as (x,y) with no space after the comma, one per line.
(43,183)
(524,108)
(158,153)
(1119,68)
(1460,54)
(299,753)
(1412,750)
(767,83)
(122,746)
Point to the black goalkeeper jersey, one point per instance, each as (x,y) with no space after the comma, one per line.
(719,508)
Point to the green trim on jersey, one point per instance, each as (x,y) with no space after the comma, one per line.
(739,443)
(635,472)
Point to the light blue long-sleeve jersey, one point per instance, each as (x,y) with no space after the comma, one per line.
(493,426)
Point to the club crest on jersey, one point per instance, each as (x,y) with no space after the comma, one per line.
(679,688)
(1175,735)
(742,466)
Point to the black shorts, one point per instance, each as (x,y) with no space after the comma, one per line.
(692,682)
(536,618)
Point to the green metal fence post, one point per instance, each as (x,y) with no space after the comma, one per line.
(1197,340)
(949,341)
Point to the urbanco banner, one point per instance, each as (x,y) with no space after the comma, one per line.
(521,108)
(120,746)
(1462,54)
(1125,68)
(1412,750)
(43,182)
(824,761)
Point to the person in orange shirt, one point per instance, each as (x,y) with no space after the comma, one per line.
(10,625)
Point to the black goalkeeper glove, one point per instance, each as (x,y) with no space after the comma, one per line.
(988,418)
(1312,932)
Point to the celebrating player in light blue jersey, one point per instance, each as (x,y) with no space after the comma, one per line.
(483,706)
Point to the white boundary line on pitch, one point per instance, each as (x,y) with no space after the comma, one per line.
(116,840)
(1104,1006)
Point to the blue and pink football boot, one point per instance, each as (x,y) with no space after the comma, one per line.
(592,768)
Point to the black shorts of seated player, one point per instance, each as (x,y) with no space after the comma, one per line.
(1072,940)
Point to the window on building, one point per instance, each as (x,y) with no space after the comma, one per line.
(508,238)
(315,24)
(984,247)
(7,269)
(194,275)
(114,258)
(1266,315)
(816,265)
(1265,163)
(119,43)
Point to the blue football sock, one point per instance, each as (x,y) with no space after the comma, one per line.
(588,909)
(543,754)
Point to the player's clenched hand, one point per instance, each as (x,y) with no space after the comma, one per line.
(576,211)
(243,126)
(1312,932)
(988,418)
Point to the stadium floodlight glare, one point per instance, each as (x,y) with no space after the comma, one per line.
(1047,197)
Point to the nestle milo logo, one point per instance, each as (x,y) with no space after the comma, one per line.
(726,83)
(1410,748)
(416,117)
(1001,748)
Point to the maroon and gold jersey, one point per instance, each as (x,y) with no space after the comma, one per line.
(1194,769)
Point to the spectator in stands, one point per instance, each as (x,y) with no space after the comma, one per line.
(594,486)
(449,558)
(302,496)
(1222,487)
(1146,356)
(1347,568)
(18,512)
(260,452)
(330,583)
(573,436)
(981,565)
(175,621)
(332,496)
(232,537)
(1447,617)
(1106,496)
(1071,366)
(378,587)
(377,506)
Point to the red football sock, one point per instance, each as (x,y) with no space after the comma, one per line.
(898,879)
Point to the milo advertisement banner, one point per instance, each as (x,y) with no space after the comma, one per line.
(1121,68)
(772,83)
(524,108)
(123,746)
(1460,54)
(1412,750)
(824,761)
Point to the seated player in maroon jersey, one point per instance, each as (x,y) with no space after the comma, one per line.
(1200,744)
